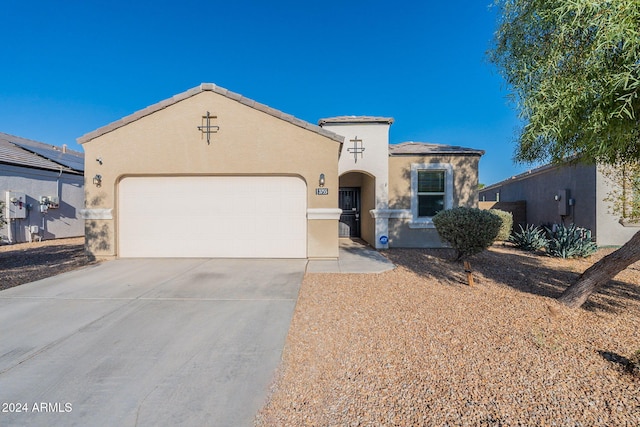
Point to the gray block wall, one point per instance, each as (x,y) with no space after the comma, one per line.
(57,223)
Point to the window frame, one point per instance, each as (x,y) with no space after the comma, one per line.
(440,194)
(447,168)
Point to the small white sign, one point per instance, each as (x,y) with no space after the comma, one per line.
(322,191)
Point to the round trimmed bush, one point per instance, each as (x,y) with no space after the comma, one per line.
(468,230)
(507,224)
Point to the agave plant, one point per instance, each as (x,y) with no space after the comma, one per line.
(530,238)
(570,242)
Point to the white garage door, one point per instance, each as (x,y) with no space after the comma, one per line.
(219,217)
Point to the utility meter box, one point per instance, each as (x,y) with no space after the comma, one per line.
(15,205)
(51,202)
(54,203)
(563,202)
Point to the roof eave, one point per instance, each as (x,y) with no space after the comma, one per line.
(432,153)
(344,120)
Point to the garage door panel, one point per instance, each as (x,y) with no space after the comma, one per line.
(255,217)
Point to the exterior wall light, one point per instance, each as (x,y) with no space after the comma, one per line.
(557,197)
(97,180)
(321,180)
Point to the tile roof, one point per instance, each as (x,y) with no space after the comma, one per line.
(216,89)
(408,148)
(15,150)
(355,119)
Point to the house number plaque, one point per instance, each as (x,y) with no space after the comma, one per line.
(322,191)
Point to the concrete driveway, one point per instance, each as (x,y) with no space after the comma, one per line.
(146,342)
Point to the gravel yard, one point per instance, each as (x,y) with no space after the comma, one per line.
(417,346)
(28,262)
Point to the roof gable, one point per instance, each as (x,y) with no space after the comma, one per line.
(220,91)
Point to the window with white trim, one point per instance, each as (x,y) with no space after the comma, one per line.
(431,192)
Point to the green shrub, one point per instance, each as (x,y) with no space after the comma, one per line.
(2,221)
(507,224)
(570,242)
(468,230)
(530,238)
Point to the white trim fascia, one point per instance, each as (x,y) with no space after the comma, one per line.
(427,222)
(402,214)
(323,213)
(391,213)
(96,213)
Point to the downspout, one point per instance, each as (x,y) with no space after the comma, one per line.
(58,184)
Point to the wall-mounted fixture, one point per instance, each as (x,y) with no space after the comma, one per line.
(358,148)
(99,160)
(51,202)
(321,180)
(16,205)
(563,197)
(97,180)
(208,128)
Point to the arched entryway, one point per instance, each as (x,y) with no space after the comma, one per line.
(357,196)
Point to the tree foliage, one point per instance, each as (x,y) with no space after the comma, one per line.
(574,68)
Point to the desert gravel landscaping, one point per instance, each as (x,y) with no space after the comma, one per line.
(27,262)
(417,346)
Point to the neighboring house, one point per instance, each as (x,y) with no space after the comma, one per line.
(565,194)
(210,173)
(42,187)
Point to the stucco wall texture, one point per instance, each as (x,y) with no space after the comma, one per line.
(583,184)
(248,142)
(465,184)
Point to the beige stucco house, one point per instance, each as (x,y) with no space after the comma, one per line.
(210,173)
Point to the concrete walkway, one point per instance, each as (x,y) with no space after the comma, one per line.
(355,257)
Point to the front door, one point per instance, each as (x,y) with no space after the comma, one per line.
(349,202)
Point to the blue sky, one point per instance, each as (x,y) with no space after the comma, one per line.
(72,66)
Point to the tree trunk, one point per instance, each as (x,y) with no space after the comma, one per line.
(601,273)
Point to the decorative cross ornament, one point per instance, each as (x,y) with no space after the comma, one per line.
(357,148)
(207,127)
